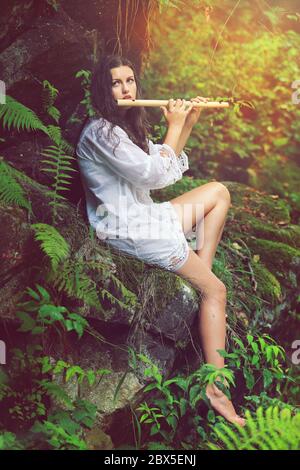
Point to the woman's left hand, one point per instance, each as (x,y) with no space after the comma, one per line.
(194,114)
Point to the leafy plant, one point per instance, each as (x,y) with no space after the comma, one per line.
(261,361)
(264,400)
(9,441)
(58,158)
(72,276)
(270,429)
(11,192)
(22,399)
(25,391)
(15,114)
(59,167)
(37,314)
(85,82)
(52,243)
(180,395)
(49,96)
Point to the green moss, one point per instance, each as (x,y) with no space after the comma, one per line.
(258,204)
(277,256)
(281,176)
(262,229)
(254,288)
(268,286)
(154,287)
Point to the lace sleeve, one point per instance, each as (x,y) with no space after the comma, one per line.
(183,161)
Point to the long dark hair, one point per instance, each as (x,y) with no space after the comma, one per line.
(135,122)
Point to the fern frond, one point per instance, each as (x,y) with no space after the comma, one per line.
(56,392)
(84,73)
(269,430)
(18,115)
(58,165)
(54,113)
(130,297)
(50,94)
(72,279)
(67,147)
(11,192)
(52,243)
(105,293)
(54,133)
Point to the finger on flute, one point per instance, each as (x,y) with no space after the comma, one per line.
(154,103)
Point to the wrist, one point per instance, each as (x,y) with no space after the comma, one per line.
(188,126)
(176,126)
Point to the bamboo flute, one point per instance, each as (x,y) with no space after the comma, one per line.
(154,103)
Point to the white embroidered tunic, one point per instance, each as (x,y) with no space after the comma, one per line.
(117,189)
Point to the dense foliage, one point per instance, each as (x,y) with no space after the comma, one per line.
(240,51)
(258,144)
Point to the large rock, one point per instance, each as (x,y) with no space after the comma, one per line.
(258,258)
(44,42)
(153,318)
(153,314)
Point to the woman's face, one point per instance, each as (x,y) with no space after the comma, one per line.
(123,84)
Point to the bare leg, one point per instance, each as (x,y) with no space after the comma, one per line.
(212,326)
(197,269)
(214,223)
(216,202)
(212,331)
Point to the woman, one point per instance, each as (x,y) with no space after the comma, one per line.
(119,166)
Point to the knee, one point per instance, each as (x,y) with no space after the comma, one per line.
(217,291)
(221,291)
(223,192)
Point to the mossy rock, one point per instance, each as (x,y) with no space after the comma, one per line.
(268,231)
(279,257)
(258,256)
(268,287)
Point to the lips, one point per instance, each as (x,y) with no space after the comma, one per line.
(127,97)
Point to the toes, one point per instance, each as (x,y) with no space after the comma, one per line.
(240,421)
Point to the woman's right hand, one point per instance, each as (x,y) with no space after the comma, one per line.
(176,111)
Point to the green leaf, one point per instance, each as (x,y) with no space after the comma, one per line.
(52,243)
(211,417)
(250,381)
(52,311)
(78,328)
(69,325)
(268,378)
(73,370)
(250,339)
(37,330)
(255,347)
(281,141)
(91,377)
(28,322)
(255,360)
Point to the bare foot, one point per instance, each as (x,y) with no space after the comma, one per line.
(223,405)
